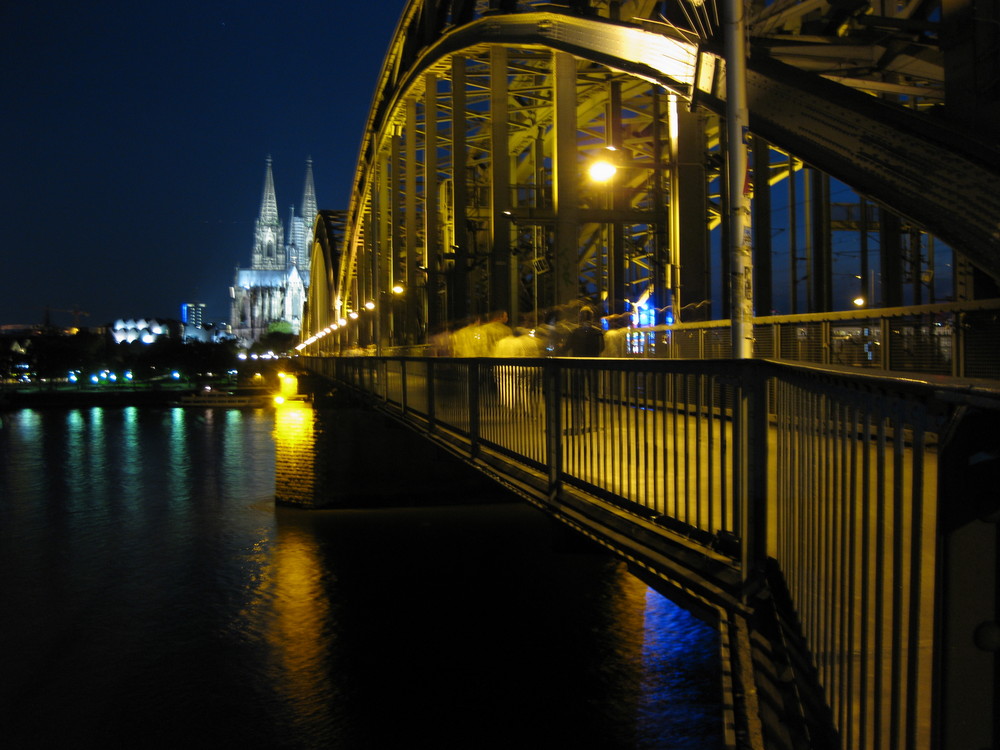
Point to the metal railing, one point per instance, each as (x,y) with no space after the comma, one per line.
(957,339)
(835,476)
(947,338)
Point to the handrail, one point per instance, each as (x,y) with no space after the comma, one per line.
(844,492)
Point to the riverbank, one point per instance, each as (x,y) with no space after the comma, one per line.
(42,398)
(117,396)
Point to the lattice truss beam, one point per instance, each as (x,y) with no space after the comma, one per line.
(446,241)
(459,193)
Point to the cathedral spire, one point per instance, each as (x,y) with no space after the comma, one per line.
(268,201)
(309,195)
(269,236)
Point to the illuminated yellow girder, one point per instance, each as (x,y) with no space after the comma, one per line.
(469,193)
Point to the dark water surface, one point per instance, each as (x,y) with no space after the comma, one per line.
(153,596)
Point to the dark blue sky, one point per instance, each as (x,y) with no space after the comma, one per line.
(137,134)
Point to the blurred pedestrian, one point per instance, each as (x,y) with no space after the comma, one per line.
(585,340)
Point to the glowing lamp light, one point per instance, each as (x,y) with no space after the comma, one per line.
(397,289)
(279,399)
(94,379)
(859,301)
(369,305)
(342,321)
(175,375)
(352,315)
(601,170)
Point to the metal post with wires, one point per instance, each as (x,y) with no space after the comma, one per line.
(737,131)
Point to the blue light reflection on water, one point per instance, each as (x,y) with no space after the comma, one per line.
(155,597)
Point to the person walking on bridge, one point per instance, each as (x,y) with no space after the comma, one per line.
(585,340)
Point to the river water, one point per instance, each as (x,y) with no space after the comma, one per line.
(153,596)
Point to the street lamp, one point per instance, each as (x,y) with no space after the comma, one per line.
(603,168)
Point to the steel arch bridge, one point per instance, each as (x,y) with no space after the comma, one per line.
(472,192)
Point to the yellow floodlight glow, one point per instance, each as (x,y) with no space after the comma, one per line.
(601,170)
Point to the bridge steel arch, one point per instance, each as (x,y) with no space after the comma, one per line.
(324,266)
(470,193)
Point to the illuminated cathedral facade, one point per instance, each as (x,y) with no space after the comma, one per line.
(271,293)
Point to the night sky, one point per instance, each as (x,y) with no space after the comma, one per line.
(137,135)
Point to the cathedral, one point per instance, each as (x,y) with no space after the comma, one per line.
(270,295)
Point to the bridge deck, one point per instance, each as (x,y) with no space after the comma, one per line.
(841,484)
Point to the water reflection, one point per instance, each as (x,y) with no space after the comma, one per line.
(292,611)
(167,603)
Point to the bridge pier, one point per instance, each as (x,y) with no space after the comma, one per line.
(344,455)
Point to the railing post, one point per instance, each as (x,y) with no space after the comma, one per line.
(958,345)
(552,394)
(402,384)
(886,344)
(429,364)
(826,336)
(750,423)
(473,388)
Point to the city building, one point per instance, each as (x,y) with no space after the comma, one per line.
(141,330)
(193,313)
(271,293)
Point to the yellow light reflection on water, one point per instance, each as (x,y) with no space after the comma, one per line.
(289,610)
(294,452)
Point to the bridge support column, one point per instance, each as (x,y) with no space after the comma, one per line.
(433,314)
(414,321)
(500,223)
(565,180)
(458,293)
(689,268)
(737,130)
(353,457)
